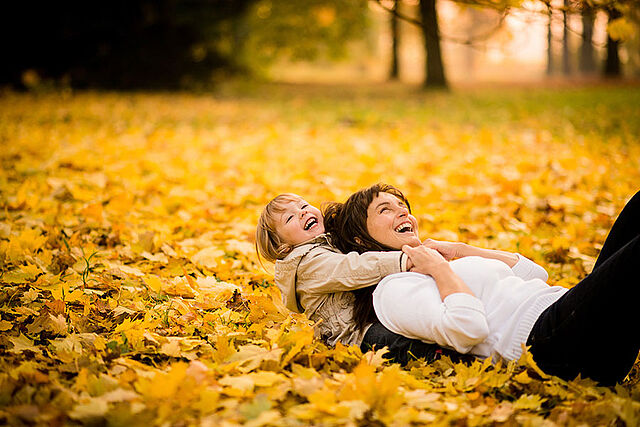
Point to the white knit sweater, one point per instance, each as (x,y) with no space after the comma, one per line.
(493,323)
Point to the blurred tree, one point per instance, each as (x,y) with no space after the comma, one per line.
(128,44)
(587,62)
(435,76)
(550,66)
(433,66)
(566,64)
(116,43)
(394,71)
(299,30)
(620,27)
(612,66)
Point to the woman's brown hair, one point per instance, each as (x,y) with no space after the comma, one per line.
(346,224)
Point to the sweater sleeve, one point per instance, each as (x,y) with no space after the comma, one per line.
(527,269)
(409,304)
(328,272)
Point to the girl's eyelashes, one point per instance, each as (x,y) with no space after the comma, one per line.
(288,219)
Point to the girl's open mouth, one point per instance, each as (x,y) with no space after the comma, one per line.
(310,223)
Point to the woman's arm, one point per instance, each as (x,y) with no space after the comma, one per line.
(521,266)
(431,262)
(410,305)
(452,250)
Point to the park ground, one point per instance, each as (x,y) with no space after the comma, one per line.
(131,292)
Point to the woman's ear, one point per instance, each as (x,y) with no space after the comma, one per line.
(358,241)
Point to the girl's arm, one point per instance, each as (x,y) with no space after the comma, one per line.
(324,271)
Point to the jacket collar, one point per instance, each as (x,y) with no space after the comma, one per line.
(287,271)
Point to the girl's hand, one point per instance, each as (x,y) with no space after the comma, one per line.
(449,250)
(424,260)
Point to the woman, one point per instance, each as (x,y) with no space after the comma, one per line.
(488,303)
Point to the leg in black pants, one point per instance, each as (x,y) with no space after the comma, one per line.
(403,349)
(592,329)
(626,227)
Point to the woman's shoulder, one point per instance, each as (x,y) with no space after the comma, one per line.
(475,266)
(478,261)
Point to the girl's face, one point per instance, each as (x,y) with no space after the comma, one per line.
(299,222)
(390,223)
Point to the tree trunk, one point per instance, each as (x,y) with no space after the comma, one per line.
(395,42)
(566,66)
(612,66)
(549,43)
(587,54)
(434,67)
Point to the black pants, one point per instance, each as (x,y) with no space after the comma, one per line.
(401,349)
(594,328)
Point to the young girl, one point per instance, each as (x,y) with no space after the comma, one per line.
(315,278)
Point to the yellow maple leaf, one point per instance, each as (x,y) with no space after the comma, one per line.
(208,257)
(5,325)
(249,357)
(94,407)
(22,343)
(237,385)
(154,283)
(528,401)
(523,378)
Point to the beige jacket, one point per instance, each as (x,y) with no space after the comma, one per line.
(315,279)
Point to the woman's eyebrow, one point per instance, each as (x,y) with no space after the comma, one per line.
(381,204)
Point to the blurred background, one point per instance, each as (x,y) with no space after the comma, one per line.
(199,44)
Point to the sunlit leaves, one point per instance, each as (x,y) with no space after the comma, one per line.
(131,293)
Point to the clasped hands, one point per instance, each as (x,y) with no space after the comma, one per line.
(432,255)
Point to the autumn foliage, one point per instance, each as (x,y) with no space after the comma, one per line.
(131,293)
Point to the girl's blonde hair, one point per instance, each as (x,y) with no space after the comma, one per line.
(269,244)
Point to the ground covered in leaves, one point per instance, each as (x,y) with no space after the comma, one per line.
(131,293)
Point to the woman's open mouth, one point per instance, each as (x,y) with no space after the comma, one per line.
(405,227)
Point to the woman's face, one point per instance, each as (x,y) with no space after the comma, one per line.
(390,223)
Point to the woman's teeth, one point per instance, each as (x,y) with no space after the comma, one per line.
(404,227)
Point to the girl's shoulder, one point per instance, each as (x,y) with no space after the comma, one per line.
(318,244)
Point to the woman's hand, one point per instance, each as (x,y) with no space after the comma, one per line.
(431,262)
(449,250)
(424,260)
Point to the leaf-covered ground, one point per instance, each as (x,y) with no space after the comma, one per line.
(131,293)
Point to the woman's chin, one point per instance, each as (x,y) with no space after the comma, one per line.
(412,240)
